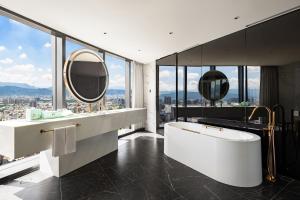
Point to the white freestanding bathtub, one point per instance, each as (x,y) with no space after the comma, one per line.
(226,155)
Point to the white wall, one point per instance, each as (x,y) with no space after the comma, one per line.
(149,95)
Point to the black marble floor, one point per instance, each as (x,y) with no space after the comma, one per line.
(140,170)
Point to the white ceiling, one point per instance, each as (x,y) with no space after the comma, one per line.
(134,25)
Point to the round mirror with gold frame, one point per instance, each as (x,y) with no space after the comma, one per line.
(86,76)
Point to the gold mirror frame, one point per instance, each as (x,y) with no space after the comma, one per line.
(68,80)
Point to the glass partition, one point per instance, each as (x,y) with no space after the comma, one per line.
(181,93)
(232,97)
(253,83)
(167,94)
(262,65)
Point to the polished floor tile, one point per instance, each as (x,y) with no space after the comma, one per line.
(140,170)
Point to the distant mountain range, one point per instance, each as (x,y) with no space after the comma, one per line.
(22,89)
(233,93)
(194,95)
(20,85)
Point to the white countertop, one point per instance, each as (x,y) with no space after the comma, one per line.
(23,122)
(20,138)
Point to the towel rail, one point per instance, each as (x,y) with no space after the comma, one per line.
(51,130)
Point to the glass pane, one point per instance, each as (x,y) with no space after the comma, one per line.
(167,93)
(115,94)
(180,91)
(25,70)
(232,97)
(194,98)
(72,103)
(253,73)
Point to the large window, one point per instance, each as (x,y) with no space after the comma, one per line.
(115,94)
(253,73)
(26,64)
(25,69)
(167,93)
(180,86)
(232,97)
(194,98)
(72,103)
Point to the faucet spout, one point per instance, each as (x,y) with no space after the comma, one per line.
(269,114)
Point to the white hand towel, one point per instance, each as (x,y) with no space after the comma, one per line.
(59,141)
(71,139)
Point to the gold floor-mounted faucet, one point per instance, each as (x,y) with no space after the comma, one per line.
(271,161)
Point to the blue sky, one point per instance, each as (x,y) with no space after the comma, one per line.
(25,56)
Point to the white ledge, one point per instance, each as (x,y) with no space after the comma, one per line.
(19,138)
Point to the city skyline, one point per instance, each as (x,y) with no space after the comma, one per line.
(167,76)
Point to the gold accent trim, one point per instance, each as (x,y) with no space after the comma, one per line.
(271,157)
(70,86)
(51,130)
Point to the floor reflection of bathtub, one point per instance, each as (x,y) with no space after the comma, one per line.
(228,156)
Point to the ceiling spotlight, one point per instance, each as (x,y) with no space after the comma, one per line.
(170,33)
(105,33)
(237,17)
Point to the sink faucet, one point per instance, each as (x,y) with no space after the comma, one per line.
(271,162)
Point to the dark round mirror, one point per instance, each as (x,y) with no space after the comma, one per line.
(213,85)
(86,76)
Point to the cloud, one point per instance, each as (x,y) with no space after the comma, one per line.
(15,22)
(192,85)
(192,75)
(26,73)
(165,86)
(253,68)
(2,48)
(23,56)
(233,83)
(165,74)
(117,81)
(115,66)
(253,83)
(47,45)
(20,47)
(6,61)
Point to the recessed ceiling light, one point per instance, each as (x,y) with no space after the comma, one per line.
(170,33)
(237,17)
(105,33)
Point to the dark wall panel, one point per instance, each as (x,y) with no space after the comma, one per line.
(228,50)
(289,88)
(167,61)
(191,57)
(275,42)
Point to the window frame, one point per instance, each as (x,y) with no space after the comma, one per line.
(58,57)
(242,86)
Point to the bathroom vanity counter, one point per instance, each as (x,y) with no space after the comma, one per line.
(20,138)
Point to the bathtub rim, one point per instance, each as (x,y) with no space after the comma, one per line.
(254,138)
